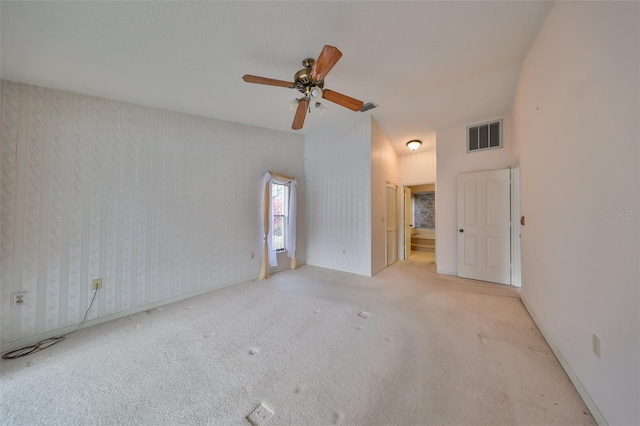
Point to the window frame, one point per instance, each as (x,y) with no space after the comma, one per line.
(284,216)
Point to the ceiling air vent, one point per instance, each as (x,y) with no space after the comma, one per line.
(368,106)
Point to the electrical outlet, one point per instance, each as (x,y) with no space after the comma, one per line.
(19,298)
(96,284)
(596,346)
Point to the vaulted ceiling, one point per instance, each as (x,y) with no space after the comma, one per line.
(427,65)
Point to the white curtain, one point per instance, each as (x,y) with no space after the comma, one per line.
(267,219)
(269,255)
(291,226)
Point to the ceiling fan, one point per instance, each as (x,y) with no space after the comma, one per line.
(310,82)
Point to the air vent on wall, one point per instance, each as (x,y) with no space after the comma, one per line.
(484,136)
(368,106)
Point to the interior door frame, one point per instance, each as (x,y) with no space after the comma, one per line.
(516,227)
(402,205)
(391,185)
(407,227)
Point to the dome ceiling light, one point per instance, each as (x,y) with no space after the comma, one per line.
(414,144)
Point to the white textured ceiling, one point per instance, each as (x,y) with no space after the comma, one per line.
(427,65)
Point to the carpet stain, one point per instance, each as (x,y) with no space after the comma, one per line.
(253,351)
(539,351)
(484,338)
(261,415)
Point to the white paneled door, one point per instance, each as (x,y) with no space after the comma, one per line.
(484,226)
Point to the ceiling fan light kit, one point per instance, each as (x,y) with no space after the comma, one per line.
(315,93)
(293,104)
(310,82)
(321,109)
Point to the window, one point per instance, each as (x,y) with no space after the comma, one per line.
(484,136)
(280,207)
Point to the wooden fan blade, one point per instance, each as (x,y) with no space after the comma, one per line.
(327,59)
(268,81)
(301,113)
(342,100)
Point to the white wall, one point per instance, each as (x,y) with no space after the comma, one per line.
(453,159)
(576,119)
(159,204)
(384,168)
(338,176)
(415,169)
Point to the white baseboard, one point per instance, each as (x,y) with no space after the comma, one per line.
(454,273)
(17,344)
(280,268)
(597,415)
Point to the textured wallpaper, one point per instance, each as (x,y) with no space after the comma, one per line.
(157,203)
(425,210)
(338,171)
(384,168)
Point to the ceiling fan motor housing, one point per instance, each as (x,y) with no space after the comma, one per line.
(302,79)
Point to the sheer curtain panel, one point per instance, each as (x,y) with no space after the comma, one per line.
(269,257)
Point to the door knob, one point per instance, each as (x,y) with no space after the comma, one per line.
(462,230)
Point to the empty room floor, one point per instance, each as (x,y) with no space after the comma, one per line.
(315,347)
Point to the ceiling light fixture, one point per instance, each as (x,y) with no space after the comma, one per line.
(315,93)
(321,109)
(414,144)
(293,104)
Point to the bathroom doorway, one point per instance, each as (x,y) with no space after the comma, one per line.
(420,234)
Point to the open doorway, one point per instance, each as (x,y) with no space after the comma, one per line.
(420,222)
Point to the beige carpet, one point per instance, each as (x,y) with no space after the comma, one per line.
(316,347)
